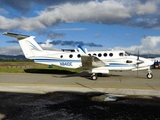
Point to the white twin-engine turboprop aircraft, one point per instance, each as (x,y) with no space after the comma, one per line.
(95,62)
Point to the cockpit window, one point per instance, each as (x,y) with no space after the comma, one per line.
(121,54)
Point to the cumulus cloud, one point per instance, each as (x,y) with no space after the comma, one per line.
(25,6)
(147,8)
(97,12)
(46,44)
(122,12)
(149,44)
(14,50)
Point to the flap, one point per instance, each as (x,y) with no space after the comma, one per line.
(89,62)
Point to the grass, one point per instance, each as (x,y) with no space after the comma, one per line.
(31,67)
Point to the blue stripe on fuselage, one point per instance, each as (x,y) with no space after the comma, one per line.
(55,60)
(120,65)
(63,60)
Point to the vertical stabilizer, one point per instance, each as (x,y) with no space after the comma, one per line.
(29,46)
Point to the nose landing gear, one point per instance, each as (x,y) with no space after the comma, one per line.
(149,75)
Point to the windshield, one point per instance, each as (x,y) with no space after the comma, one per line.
(127,54)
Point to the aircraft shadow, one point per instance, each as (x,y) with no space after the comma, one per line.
(75,105)
(48,71)
(66,73)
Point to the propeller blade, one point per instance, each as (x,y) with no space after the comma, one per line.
(137,62)
(138,55)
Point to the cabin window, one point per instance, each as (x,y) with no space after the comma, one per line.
(61,56)
(89,54)
(94,54)
(110,54)
(78,55)
(121,54)
(128,61)
(99,55)
(70,55)
(105,54)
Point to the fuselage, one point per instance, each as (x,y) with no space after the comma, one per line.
(114,60)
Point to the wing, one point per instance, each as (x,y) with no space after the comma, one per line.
(90,62)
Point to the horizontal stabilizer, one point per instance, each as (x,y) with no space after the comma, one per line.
(18,36)
(89,62)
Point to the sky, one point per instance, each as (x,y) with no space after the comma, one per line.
(129,25)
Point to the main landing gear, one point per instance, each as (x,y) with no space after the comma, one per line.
(149,75)
(94,76)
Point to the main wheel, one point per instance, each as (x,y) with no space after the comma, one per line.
(149,75)
(94,77)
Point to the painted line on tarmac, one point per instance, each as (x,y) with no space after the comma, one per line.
(38,82)
(82,86)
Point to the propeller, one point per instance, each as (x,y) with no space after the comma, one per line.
(137,64)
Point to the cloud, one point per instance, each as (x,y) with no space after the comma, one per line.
(97,35)
(24,6)
(12,41)
(50,43)
(51,34)
(3,11)
(14,50)
(149,44)
(71,29)
(97,12)
(46,44)
(123,12)
(146,8)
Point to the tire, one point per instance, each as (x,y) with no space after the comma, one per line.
(94,77)
(149,75)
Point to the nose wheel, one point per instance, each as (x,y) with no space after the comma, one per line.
(149,75)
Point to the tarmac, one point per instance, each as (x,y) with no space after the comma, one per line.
(121,83)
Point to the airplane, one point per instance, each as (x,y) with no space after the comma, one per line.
(94,62)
